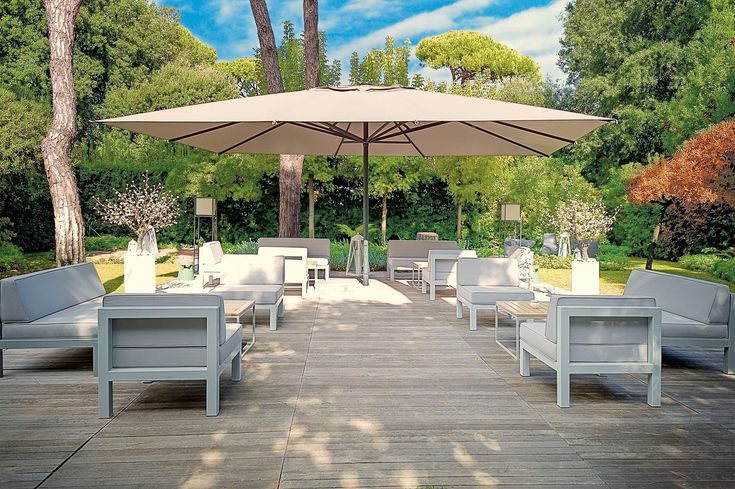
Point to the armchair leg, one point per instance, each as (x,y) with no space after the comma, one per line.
(94,361)
(459,309)
(392,275)
(562,387)
(653,397)
(473,319)
(237,368)
(729,361)
(525,363)
(274,318)
(326,273)
(432,292)
(281,309)
(213,396)
(304,287)
(1,362)
(105,399)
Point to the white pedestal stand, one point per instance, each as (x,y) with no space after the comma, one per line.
(586,277)
(140,273)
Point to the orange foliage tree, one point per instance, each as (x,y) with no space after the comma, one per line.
(701,172)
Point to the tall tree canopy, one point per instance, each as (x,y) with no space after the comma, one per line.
(469,54)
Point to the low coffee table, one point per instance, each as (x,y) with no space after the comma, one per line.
(520,311)
(236,311)
(418,273)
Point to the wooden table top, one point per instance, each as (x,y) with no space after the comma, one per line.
(235,308)
(523,309)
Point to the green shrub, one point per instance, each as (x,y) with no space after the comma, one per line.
(490,251)
(377,255)
(724,269)
(619,262)
(248,247)
(614,250)
(700,262)
(106,242)
(11,256)
(553,261)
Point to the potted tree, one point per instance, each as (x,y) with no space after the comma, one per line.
(142,208)
(585,221)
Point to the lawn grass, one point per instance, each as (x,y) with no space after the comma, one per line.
(613,282)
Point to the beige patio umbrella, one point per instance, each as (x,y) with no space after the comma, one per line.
(365,120)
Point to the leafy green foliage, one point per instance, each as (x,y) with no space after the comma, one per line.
(11,257)
(702,262)
(724,269)
(469,54)
(553,261)
(388,66)
(106,242)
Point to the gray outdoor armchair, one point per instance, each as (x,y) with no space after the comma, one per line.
(596,335)
(148,337)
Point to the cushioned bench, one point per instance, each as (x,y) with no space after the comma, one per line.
(694,312)
(403,252)
(317,249)
(297,271)
(255,277)
(481,282)
(54,308)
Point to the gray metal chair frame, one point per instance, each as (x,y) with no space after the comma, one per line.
(211,373)
(565,367)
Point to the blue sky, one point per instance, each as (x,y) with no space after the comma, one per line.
(530,26)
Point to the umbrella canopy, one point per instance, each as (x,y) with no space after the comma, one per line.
(394,121)
(364,120)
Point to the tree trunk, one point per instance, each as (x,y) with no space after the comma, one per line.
(268,50)
(289,183)
(58,144)
(654,238)
(311,205)
(459,221)
(311,42)
(384,219)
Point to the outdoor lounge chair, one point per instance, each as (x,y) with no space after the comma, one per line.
(596,335)
(318,250)
(146,337)
(255,277)
(695,313)
(481,282)
(442,270)
(297,270)
(54,308)
(402,253)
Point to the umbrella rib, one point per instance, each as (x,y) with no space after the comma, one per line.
(403,124)
(388,135)
(378,130)
(481,129)
(342,132)
(203,131)
(341,141)
(261,133)
(533,131)
(312,127)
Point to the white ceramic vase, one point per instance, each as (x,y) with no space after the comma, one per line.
(140,273)
(586,277)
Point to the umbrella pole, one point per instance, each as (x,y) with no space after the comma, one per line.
(365,204)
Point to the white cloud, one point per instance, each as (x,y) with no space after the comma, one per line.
(534,32)
(441,19)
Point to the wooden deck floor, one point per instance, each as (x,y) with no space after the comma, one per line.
(369,387)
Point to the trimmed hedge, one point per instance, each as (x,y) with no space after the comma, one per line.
(699,262)
(724,269)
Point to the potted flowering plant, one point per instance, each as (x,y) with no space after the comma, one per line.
(142,208)
(585,221)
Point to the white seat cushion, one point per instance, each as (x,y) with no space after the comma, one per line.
(261,294)
(490,294)
(79,321)
(675,326)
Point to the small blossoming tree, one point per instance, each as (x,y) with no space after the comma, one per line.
(583,220)
(139,207)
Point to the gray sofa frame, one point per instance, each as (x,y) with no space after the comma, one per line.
(402,253)
(603,316)
(157,310)
(26,303)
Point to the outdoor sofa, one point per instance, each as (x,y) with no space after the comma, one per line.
(596,335)
(695,313)
(318,249)
(481,282)
(442,269)
(402,253)
(255,277)
(296,273)
(54,308)
(149,337)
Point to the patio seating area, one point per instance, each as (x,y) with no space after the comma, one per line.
(370,387)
